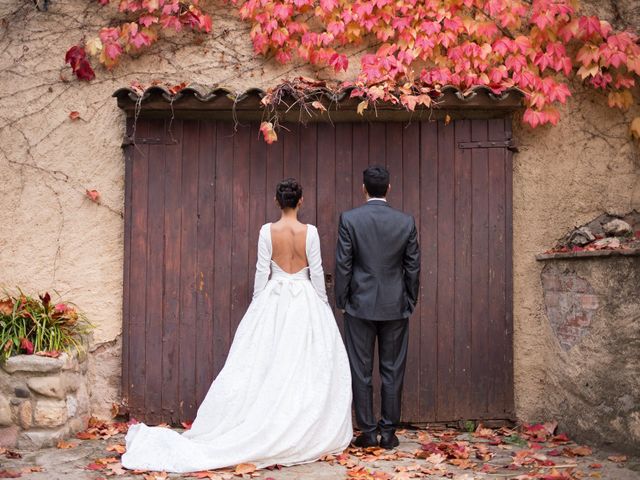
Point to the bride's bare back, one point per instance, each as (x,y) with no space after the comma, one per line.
(289,245)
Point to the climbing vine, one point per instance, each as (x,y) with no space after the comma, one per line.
(419,46)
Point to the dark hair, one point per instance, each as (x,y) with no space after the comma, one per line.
(376,181)
(288,193)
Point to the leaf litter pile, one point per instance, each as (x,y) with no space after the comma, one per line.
(527,452)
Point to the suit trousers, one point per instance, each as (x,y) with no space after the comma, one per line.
(393,339)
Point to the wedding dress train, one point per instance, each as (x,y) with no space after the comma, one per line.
(284,394)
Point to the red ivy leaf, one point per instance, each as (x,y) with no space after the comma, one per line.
(93,195)
(26,346)
(77,58)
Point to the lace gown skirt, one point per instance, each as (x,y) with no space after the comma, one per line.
(283,396)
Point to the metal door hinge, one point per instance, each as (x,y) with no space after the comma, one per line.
(508,144)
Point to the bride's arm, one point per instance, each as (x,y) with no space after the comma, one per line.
(316,272)
(263,264)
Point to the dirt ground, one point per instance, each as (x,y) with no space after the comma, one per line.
(529,452)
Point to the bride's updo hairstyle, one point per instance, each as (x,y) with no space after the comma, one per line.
(288,193)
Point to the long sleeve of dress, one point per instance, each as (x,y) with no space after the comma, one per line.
(314,257)
(263,264)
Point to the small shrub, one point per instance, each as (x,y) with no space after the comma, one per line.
(30,325)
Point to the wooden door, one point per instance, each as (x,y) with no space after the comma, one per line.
(198,191)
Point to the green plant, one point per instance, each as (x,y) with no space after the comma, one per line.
(37,325)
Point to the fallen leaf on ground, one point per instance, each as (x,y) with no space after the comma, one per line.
(156,476)
(116,448)
(32,469)
(11,453)
(74,115)
(617,458)
(210,474)
(595,465)
(579,451)
(10,474)
(116,469)
(63,444)
(462,463)
(244,468)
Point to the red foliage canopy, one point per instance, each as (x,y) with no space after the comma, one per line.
(419,45)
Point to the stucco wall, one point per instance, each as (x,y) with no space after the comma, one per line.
(53,237)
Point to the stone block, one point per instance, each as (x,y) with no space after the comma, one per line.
(82,397)
(39,438)
(71,381)
(9,437)
(33,363)
(25,414)
(50,413)
(21,392)
(72,406)
(617,227)
(5,412)
(51,386)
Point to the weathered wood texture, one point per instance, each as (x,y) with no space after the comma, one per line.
(197,194)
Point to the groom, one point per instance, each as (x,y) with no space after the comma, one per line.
(377,283)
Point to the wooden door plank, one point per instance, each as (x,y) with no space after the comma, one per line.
(428,270)
(129,153)
(188,253)
(275,173)
(377,145)
(205,265)
(497,286)
(411,202)
(291,151)
(257,205)
(154,278)
(171,291)
(308,172)
(480,340)
(343,185)
(138,276)
(326,204)
(360,158)
(462,240)
(393,161)
(446,270)
(224,240)
(240,201)
(507,372)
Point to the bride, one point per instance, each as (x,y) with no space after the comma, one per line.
(284,394)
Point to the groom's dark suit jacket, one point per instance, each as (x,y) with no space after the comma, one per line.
(377,262)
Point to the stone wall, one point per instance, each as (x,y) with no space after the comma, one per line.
(42,399)
(593,378)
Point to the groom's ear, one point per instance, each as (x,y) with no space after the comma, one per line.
(364,190)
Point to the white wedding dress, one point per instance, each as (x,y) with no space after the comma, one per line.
(284,394)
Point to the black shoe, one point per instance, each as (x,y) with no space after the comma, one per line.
(389,441)
(365,440)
